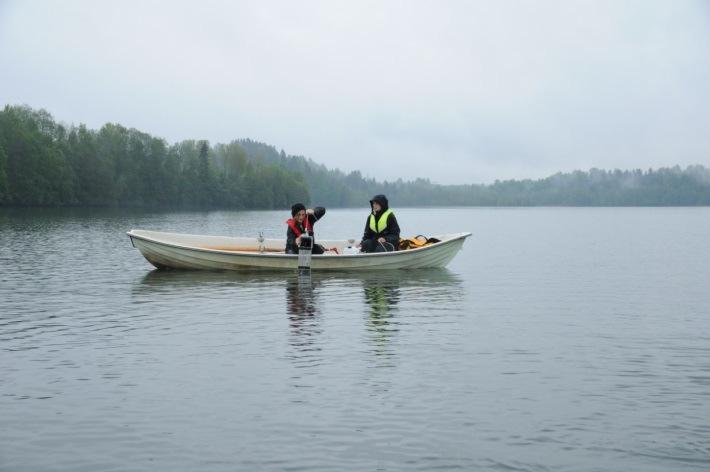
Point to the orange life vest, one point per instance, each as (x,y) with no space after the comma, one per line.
(294,226)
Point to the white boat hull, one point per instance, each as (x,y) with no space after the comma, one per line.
(185,251)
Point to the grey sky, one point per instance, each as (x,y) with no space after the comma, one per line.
(459,92)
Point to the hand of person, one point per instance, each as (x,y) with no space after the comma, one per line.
(381,240)
(310,211)
(298,241)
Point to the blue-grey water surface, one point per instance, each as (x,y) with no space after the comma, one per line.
(558,339)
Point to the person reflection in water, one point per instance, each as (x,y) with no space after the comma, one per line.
(382,298)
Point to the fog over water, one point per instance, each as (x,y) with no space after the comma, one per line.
(483,90)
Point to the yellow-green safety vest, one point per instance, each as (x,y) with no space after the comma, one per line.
(381,224)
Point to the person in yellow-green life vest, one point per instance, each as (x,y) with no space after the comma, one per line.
(381,228)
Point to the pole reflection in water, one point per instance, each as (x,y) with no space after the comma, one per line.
(303,315)
(300,297)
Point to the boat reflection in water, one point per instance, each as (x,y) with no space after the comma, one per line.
(387,302)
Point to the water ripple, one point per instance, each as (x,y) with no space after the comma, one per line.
(552,343)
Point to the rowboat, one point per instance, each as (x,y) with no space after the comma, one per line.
(190,251)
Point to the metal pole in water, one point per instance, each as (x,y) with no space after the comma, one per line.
(304,254)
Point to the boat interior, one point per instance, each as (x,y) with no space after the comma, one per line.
(333,247)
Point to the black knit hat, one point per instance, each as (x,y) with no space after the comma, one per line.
(296,208)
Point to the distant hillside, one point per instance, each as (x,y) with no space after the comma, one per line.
(662,187)
(44,163)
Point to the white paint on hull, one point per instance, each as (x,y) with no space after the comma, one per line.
(186,251)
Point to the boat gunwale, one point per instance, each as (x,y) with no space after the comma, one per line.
(132,235)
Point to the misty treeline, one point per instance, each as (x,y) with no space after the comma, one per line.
(663,187)
(44,163)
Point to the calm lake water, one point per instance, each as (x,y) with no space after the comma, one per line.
(558,339)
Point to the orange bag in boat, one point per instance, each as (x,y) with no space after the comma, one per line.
(416,242)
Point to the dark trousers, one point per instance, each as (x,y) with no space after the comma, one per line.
(373,245)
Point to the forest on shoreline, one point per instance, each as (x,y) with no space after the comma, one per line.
(46,163)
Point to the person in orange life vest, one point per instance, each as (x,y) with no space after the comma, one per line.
(302,222)
(381,228)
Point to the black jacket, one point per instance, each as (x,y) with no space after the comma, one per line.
(291,246)
(391,232)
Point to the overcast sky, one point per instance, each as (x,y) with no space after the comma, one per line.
(458,92)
